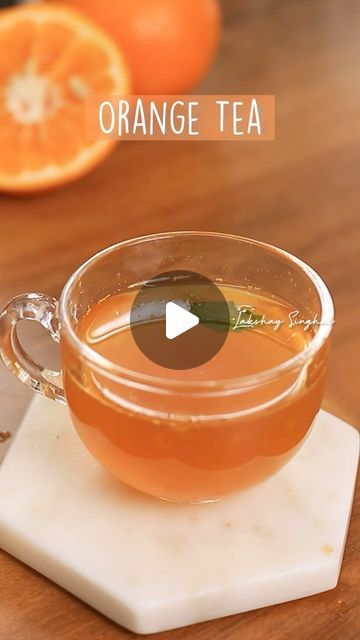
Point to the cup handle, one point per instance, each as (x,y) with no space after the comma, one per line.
(39,308)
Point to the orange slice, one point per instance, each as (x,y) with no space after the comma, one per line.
(51,59)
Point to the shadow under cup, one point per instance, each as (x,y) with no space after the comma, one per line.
(193,441)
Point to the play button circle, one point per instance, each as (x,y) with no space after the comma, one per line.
(179,319)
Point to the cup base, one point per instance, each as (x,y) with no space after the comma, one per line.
(151,565)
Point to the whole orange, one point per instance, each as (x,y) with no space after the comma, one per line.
(169,44)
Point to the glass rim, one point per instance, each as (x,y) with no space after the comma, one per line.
(123,374)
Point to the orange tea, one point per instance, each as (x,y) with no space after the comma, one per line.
(233,394)
(196,446)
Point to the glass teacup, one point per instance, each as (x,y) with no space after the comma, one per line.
(199,434)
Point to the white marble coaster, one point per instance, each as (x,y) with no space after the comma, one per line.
(151,565)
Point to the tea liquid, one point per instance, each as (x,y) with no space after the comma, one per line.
(180,447)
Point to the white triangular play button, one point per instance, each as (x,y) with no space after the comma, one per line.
(178,320)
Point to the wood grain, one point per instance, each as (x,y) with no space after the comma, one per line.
(300,192)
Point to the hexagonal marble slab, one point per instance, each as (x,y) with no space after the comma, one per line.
(151,565)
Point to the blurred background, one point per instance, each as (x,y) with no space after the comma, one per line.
(300,192)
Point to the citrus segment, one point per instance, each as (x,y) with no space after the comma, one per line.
(57,59)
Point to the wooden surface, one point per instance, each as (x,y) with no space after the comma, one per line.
(301,192)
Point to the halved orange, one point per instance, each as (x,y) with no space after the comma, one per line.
(51,59)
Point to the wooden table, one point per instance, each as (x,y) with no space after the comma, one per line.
(300,192)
